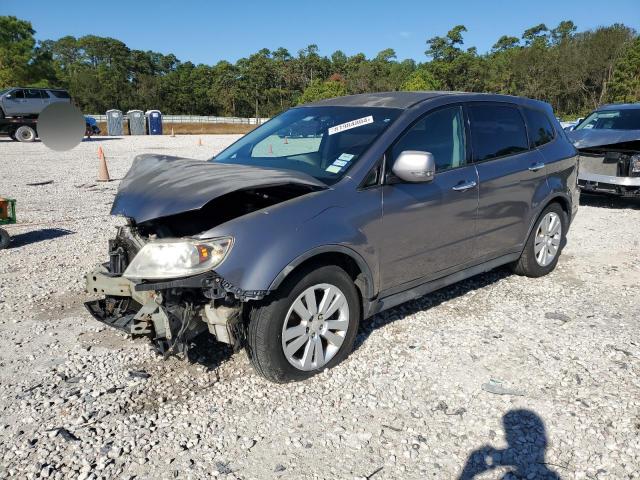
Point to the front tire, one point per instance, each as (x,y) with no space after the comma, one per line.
(309,325)
(544,245)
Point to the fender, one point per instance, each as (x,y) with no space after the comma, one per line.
(543,205)
(334,248)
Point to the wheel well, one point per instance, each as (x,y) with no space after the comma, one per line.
(564,204)
(344,261)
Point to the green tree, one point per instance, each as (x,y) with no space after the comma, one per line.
(319,90)
(625,83)
(16,51)
(421,80)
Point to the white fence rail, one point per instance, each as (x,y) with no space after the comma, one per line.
(196,119)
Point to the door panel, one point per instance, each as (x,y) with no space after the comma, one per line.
(507,194)
(33,101)
(510,174)
(15,104)
(429,226)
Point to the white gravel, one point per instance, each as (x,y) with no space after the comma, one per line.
(410,402)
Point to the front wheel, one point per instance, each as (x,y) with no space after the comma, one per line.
(544,245)
(309,325)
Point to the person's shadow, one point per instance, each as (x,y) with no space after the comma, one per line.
(524,455)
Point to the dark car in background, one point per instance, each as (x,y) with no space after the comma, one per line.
(609,144)
(283,245)
(23,102)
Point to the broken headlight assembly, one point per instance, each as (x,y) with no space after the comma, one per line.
(634,163)
(164,259)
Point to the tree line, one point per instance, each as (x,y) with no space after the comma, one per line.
(573,71)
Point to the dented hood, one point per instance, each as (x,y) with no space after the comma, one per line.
(157,185)
(589,138)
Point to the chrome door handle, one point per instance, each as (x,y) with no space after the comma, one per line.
(464,186)
(536,166)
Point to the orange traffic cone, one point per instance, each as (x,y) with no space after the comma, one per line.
(286,141)
(199,142)
(103,171)
(172,134)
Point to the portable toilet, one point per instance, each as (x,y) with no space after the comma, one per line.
(114,123)
(154,122)
(136,122)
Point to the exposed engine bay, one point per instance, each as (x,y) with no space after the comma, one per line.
(609,161)
(173,311)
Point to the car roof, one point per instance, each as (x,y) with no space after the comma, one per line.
(35,88)
(405,100)
(619,106)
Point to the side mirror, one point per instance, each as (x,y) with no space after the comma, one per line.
(415,166)
(8,95)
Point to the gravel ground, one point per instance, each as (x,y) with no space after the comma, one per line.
(497,374)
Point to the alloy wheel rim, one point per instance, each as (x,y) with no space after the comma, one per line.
(315,327)
(547,241)
(25,134)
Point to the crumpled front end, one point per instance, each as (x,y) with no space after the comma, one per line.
(609,161)
(170,312)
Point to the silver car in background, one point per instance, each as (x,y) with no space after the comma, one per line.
(609,144)
(24,102)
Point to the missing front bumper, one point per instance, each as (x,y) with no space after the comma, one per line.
(161,312)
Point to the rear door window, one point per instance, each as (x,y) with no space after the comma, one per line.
(32,93)
(496,131)
(539,127)
(60,93)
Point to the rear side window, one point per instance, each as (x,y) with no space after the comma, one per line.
(496,131)
(540,128)
(32,93)
(59,93)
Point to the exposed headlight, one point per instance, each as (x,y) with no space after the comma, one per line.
(163,259)
(635,163)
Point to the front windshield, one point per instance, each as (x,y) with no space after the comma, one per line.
(320,141)
(623,119)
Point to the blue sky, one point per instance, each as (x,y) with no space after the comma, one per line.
(209,31)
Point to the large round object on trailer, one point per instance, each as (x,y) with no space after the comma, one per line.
(61,126)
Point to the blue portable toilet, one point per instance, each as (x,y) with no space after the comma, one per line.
(154,122)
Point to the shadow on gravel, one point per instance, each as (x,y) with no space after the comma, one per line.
(429,301)
(38,236)
(524,456)
(209,353)
(609,201)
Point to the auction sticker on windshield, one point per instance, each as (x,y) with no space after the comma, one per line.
(352,124)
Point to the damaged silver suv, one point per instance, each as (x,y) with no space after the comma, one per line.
(330,213)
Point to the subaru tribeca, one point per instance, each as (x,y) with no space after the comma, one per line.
(283,243)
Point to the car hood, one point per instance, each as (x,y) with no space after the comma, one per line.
(158,186)
(586,138)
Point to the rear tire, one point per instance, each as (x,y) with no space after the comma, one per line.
(538,257)
(25,133)
(269,321)
(5,239)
